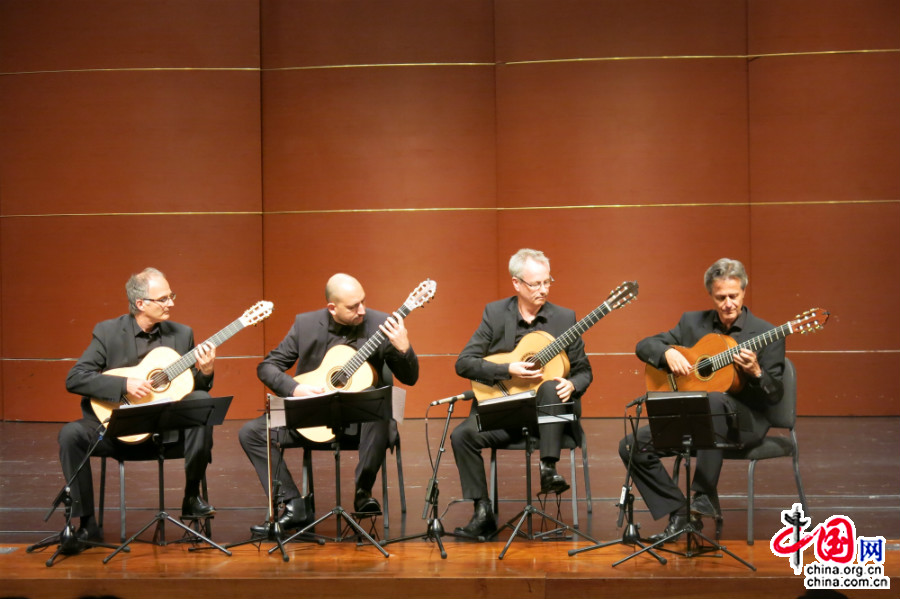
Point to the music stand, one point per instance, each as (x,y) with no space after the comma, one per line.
(158,418)
(338,410)
(520,411)
(681,422)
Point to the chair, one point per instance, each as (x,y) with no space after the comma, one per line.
(782,415)
(172,451)
(568,442)
(351,443)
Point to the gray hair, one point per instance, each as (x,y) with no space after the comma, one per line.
(138,285)
(517,262)
(725,268)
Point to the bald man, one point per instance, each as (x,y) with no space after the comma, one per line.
(345,320)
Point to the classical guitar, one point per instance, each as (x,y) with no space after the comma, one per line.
(545,352)
(347,369)
(713,353)
(168,373)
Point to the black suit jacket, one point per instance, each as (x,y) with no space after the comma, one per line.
(307,343)
(113,346)
(497,334)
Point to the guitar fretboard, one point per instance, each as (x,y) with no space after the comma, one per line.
(368,348)
(725,358)
(572,333)
(189,359)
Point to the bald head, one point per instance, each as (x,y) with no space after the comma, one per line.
(346,299)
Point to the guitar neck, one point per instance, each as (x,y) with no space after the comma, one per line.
(368,348)
(189,359)
(573,333)
(725,358)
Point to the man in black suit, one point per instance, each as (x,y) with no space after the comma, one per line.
(124,342)
(503,325)
(736,416)
(344,321)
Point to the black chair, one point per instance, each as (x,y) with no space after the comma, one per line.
(782,415)
(173,451)
(350,442)
(568,442)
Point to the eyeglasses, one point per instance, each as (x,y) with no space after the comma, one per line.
(161,300)
(536,286)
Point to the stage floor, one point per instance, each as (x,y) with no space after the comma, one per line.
(849,467)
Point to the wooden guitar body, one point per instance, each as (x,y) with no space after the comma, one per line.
(525,351)
(327,375)
(700,379)
(153,363)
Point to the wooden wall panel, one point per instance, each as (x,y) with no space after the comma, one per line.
(622,133)
(304,33)
(132,142)
(529,30)
(825,128)
(380,138)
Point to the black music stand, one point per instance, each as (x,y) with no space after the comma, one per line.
(520,411)
(68,543)
(338,410)
(681,422)
(158,418)
(630,536)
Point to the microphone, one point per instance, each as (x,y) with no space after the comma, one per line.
(637,401)
(462,396)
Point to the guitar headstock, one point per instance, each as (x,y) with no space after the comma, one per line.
(810,321)
(421,295)
(622,295)
(260,311)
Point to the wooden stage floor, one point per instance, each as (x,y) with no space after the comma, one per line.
(849,465)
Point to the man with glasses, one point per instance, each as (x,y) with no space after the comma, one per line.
(503,324)
(119,343)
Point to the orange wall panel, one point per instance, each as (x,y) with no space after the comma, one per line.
(353,32)
(103,142)
(645,132)
(379,138)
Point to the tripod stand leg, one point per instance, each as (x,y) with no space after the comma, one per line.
(714,546)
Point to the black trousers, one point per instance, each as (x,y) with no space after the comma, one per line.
(373,443)
(656,486)
(467,442)
(75,439)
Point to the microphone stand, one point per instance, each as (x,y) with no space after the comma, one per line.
(630,536)
(69,544)
(434,528)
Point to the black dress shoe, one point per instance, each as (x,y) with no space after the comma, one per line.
(193,506)
(295,515)
(483,523)
(677,524)
(551,481)
(364,503)
(702,505)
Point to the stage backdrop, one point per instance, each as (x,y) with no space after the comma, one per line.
(250,149)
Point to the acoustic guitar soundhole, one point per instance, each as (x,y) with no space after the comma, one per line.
(704,368)
(159,380)
(338,379)
(533,359)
